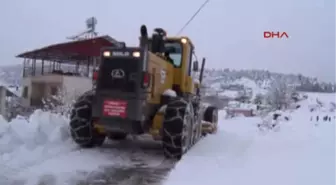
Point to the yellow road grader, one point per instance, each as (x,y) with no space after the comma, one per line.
(147,89)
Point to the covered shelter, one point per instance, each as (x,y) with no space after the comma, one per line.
(67,65)
(79,52)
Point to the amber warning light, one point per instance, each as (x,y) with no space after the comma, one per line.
(277,34)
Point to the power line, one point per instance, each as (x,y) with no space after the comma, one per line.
(192,17)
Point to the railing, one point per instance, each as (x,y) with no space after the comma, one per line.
(66,70)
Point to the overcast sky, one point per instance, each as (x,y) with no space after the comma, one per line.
(229,33)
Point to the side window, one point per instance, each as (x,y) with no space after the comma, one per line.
(194,59)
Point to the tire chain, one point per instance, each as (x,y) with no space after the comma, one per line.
(172,136)
(86,124)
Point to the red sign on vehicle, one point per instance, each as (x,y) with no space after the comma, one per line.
(115,108)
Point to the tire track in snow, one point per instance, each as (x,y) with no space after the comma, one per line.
(135,162)
(131,175)
(145,165)
(8,173)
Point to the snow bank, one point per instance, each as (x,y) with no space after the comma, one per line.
(41,128)
(39,150)
(25,143)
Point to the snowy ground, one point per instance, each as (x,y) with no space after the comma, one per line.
(39,151)
(300,153)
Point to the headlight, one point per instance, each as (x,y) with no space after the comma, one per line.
(106,53)
(136,54)
(184,40)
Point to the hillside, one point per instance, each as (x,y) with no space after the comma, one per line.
(11,75)
(218,80)
(264,79)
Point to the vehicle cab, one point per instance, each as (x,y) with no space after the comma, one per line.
(179,51)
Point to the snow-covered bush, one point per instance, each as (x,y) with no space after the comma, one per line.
(268,125)
(61,103)
(273,120)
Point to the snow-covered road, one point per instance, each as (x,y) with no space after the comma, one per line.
(40,151)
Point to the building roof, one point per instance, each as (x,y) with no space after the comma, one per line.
(78,50)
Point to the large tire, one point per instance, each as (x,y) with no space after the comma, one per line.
(211,115)
(177,129)
(117,136)
(81,127)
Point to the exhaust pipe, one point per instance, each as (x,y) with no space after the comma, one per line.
(202,71)
(144,46)
(144,37)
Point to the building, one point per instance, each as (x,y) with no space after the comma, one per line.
(61,69)
(5,102)
(240,111)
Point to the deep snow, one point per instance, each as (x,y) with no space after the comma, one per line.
(40,149)
(27,145)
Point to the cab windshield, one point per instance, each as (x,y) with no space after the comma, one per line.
(175,52)
(174,49)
